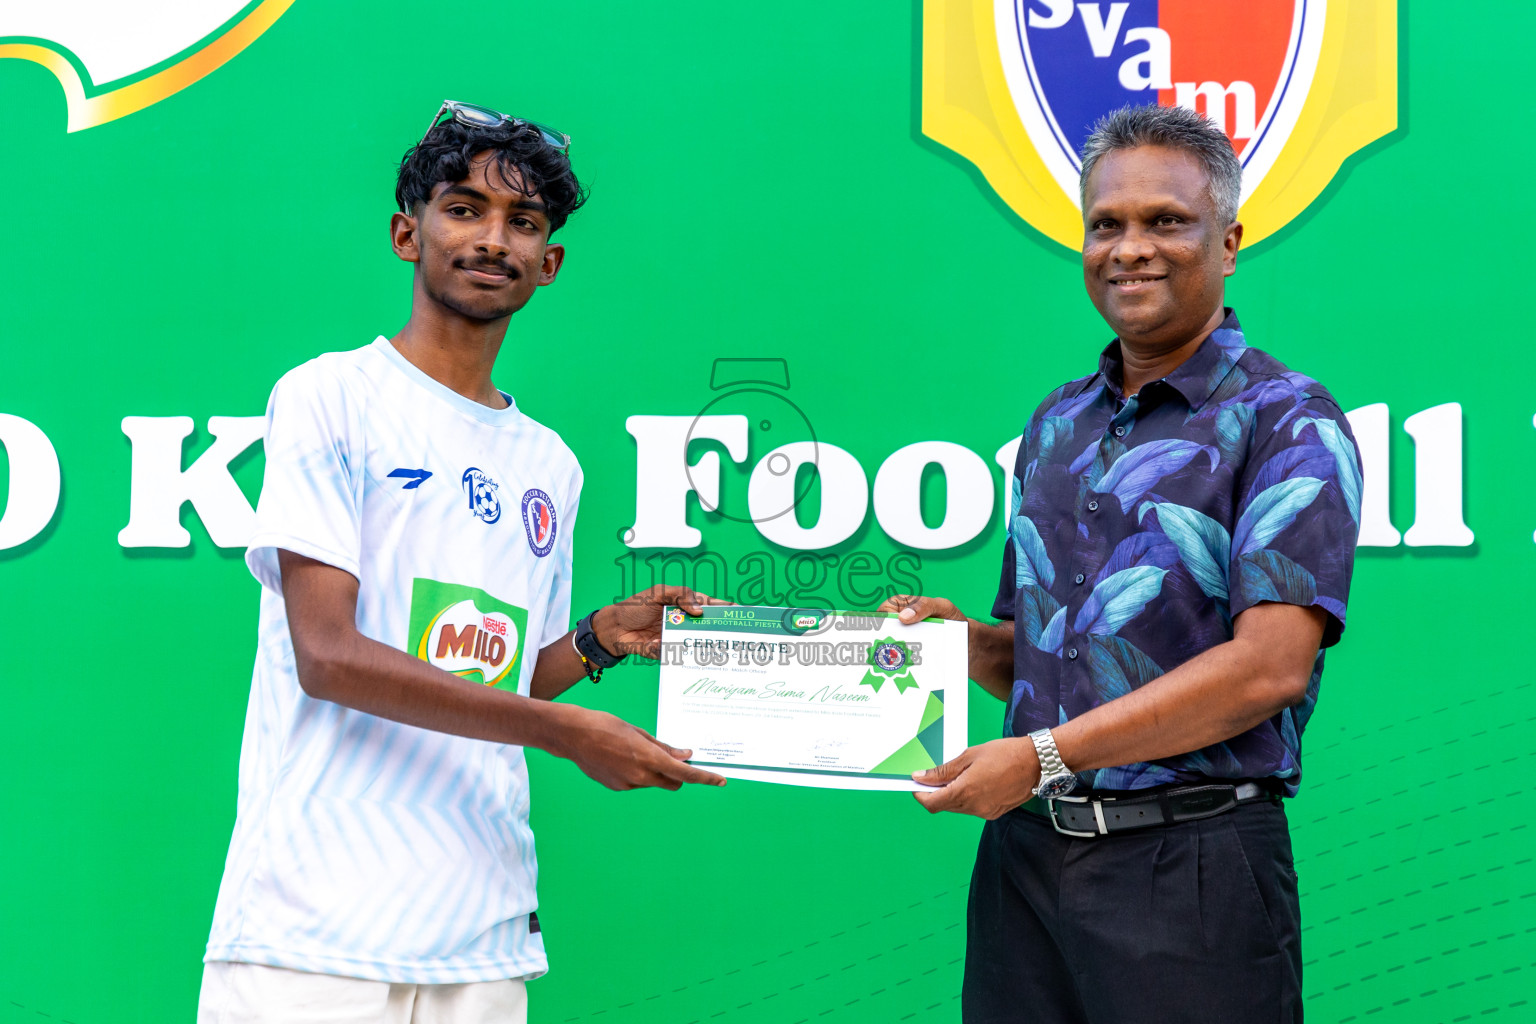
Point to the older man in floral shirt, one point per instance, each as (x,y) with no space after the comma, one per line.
(1182,532)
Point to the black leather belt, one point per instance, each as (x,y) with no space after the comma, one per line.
(1098,814)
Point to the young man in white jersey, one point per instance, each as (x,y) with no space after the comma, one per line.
(413,543)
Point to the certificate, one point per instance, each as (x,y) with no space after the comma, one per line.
(813,698)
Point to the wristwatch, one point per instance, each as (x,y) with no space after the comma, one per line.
(594,656)
(1056,779)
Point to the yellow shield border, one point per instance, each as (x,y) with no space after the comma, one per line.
(91,105)
(968,108)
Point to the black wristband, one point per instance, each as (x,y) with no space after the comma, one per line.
(593,653)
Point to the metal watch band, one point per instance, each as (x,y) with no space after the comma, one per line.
(1045,748)
(588,647)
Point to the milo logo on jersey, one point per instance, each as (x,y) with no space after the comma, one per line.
(466,631)
(1298,85)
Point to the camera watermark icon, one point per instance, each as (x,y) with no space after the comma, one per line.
(758,388)
(772,462)
(776,461)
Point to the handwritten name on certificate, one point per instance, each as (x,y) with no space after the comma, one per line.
(813,698)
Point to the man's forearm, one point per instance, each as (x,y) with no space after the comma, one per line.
(1213,697)
(991,657)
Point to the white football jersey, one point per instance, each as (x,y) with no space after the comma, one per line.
(363,847)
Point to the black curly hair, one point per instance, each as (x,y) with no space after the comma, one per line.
(446,151)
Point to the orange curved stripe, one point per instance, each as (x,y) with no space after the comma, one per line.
(90,111)
(63,70)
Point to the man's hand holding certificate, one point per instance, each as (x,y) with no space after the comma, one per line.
(813,698)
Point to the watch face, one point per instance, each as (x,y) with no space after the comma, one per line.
(1057,785)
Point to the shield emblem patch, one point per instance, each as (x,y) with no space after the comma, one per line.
(1298,85)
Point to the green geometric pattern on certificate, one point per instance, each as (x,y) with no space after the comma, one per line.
(930,733)
(926,749)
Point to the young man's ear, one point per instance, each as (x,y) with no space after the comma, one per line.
(402,237)
(554,258)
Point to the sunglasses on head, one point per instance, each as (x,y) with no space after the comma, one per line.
(473,116)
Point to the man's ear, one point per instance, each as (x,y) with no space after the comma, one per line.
(1230,243)
(402,237)
(554,257)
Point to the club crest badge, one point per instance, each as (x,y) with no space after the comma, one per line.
(889,661)
(480,490)
(539,521)
(675,616)
(116,57)
(1014,86)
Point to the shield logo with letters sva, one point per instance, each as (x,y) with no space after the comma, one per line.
(1298,85)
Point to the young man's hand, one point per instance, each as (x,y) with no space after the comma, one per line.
(623,756)
(633,626)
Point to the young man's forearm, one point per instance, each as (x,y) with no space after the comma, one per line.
(373,677)
(560,667)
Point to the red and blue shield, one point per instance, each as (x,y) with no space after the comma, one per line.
(539,521)
(1236,62)
(1297,85)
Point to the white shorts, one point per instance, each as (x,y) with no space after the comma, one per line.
(236,993)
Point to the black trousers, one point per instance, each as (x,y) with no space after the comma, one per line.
(1185,924)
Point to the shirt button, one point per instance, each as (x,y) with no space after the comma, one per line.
(1072,653)
(1119,431)
(1093,506)
(1078,578)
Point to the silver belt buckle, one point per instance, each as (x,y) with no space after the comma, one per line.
(1098,815)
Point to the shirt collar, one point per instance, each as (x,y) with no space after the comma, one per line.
(1197,378)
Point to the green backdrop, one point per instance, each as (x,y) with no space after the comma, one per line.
(760,188)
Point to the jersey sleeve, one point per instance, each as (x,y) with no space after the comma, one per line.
(1298,514)
(557,620)
(311,493)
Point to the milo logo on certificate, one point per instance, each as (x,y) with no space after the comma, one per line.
(466,631)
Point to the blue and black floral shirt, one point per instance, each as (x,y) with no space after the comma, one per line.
(1141,527)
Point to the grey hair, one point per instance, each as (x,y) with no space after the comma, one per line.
(1175,128)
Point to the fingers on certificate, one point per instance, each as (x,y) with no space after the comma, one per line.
(988,780)
(648,603)
(677,766)
(623,756)
(636,623)
(915,608)
(690,601)
(949,791)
